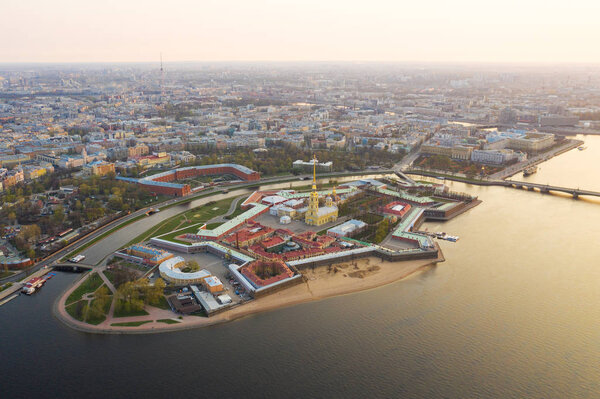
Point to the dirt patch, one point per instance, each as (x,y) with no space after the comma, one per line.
(364,273)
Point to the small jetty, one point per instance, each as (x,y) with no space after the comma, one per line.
(440,236)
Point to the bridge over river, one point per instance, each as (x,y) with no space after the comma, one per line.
(545,188)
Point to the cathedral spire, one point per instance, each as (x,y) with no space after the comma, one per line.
(314,186)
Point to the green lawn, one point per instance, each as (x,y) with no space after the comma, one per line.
(212,226)
(168,321)
(105,309)
(238,210)
(162,304)
(110,276)
(131,323)
(74,311)
(192,219)
(91,284)
(133,265)
(121,312)
(196,216)
(5,286)
(207,211)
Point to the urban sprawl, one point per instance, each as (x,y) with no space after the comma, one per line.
(84,147)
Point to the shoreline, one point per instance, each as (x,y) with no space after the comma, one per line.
(318,284)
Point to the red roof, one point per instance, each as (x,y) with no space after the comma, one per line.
(272,242)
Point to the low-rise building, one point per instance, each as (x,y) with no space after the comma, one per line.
(102,168)
(347,229)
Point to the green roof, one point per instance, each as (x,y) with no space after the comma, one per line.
(288,195)
(401,230)
(405,196)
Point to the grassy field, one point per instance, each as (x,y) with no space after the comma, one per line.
(238,210)
(131,323)
(73,310)
(192,219)
(5,286)
(110,276)
(105,309)
(162,304)
(91,284)
(121,312)
(168,321)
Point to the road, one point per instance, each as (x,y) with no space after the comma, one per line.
(514,169)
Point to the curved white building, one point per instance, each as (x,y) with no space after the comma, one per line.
(170,271)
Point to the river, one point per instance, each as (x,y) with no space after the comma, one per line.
(512,313)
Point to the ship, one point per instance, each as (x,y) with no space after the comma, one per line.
(530,170)
(33,285)
(446,236)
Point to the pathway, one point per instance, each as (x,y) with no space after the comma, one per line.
(232,207)
(112,289)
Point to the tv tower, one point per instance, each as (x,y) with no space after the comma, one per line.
(162,79)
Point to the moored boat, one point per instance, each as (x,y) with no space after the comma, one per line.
(33,285)
(530,170)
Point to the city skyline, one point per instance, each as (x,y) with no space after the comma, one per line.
(382,31)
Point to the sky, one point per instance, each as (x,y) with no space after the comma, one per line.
(508,31)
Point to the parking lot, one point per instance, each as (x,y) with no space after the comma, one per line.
(218,267)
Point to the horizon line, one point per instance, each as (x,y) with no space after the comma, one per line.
(389,62)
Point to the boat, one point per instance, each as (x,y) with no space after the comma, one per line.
(530,170)
(444,236)
(33,285)
(581,147)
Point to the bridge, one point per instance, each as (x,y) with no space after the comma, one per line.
(542,188)
(545,188)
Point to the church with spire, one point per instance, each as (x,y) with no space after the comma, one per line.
(317,215)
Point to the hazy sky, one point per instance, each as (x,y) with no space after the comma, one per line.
(288,30)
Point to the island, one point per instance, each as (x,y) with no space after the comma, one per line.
(264,250)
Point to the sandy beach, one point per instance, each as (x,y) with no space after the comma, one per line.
(320,283)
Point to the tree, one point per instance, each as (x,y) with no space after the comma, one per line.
(193,266)
(59,215)
(155,292)
(471,171)
(382,230)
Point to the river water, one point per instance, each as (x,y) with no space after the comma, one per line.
(513,312)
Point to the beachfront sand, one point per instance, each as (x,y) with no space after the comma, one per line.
(323,282)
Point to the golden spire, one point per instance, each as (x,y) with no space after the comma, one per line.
(314,172)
